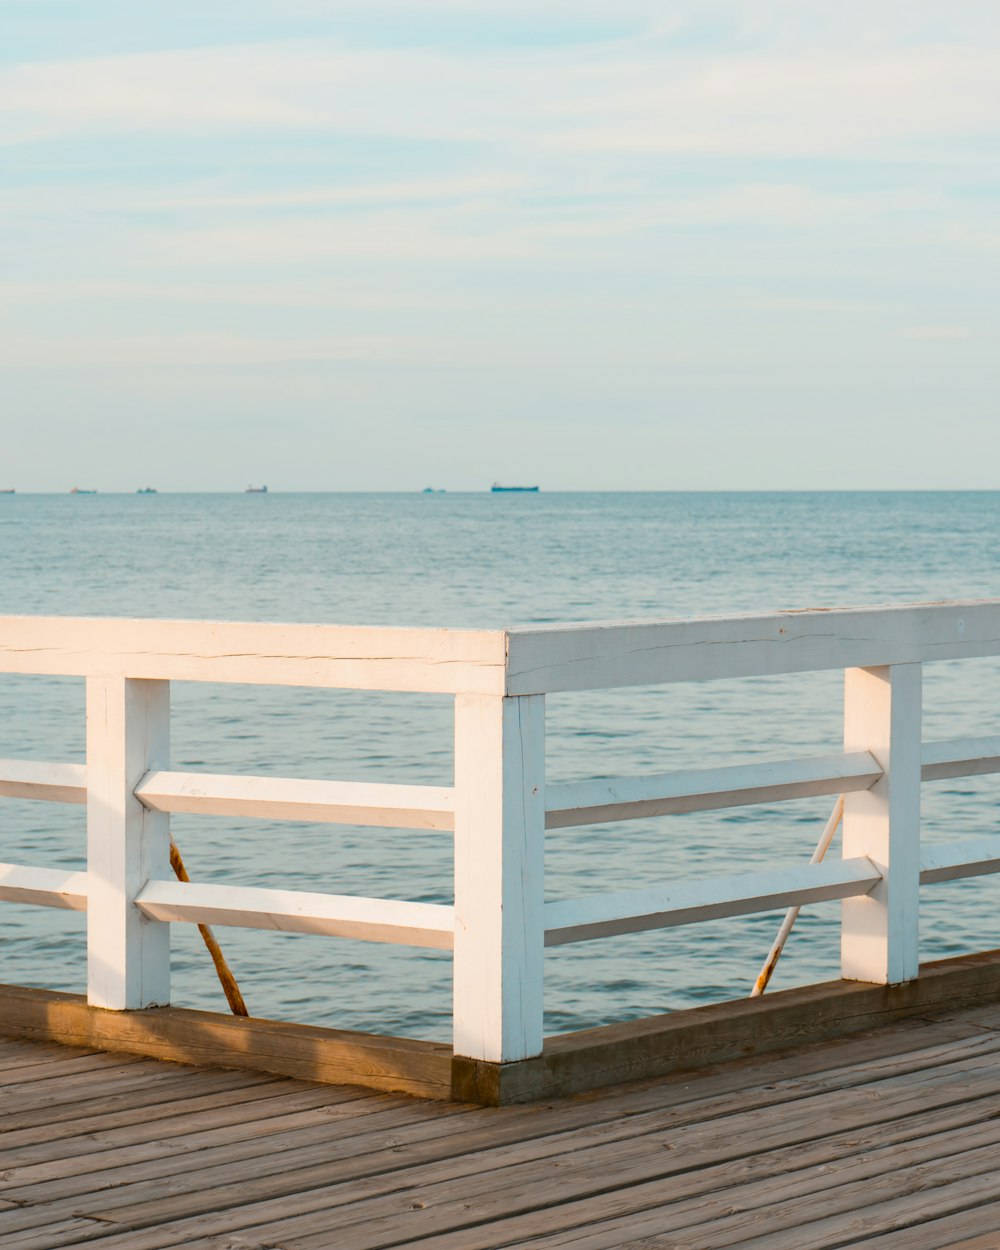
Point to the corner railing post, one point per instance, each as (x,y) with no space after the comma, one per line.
(499,876)
(880,931)
(128,733)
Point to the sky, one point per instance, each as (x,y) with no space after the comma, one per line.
(590,244)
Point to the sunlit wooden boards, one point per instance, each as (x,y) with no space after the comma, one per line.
(572,1062)
(213,1040)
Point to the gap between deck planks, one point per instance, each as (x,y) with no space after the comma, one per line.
(935,1064)
(373,1218)
(928,1044)
(317,1161)
(590,1059)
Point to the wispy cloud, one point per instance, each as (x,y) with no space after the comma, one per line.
(710,208)
(643,95)
(940,334)
(207,351)
(303,293)
(357,195)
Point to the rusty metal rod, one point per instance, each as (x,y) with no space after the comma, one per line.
(224,972)
(771,962)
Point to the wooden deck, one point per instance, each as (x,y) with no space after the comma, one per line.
(890,1141)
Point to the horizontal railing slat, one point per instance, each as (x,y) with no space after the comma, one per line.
(293,911)
(628,798)
(944,862)
(690,902)
(571,920)
(960,757)
(285,798)
(569,804)
(43,887)
(772,781)
(39,779)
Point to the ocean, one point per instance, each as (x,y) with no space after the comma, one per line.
(485,560)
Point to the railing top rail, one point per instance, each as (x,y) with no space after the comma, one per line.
(551,658)
(445,661)
(519,661)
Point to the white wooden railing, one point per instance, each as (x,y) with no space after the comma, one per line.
(499,806)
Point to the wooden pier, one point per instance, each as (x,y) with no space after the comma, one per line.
(864,1112)
(888,1140)
(494,914)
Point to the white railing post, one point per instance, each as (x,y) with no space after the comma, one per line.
(499,876)
(128,733)
(882,713)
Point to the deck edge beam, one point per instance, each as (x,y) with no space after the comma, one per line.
(614,1054)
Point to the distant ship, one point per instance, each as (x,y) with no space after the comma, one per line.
(7,490)
(255,490)
(146,490)
(79,490)
(497,487)
(433,490)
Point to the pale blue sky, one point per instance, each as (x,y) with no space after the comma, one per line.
(592,244)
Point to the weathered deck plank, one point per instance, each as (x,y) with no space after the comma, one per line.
(120,1115)
(890,1140)
(437,1139)
(285,1118)
(949,1232)
(778,1208)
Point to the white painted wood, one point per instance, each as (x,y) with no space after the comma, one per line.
(441,660)
(691,902)
(499,876)
(589,657)
(497,806)
(294,911)
(128,732)
(977,858)
(35,779)
(538,659)
(287,798)
(628,798)
(879,933)
(960,757)
(44,887)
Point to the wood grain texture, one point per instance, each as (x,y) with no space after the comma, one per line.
(660,1045)
(201,1037)
(570,1063)
(547,659)
(446,661)
(891,1139)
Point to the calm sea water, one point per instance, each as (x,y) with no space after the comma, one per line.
(490,560)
